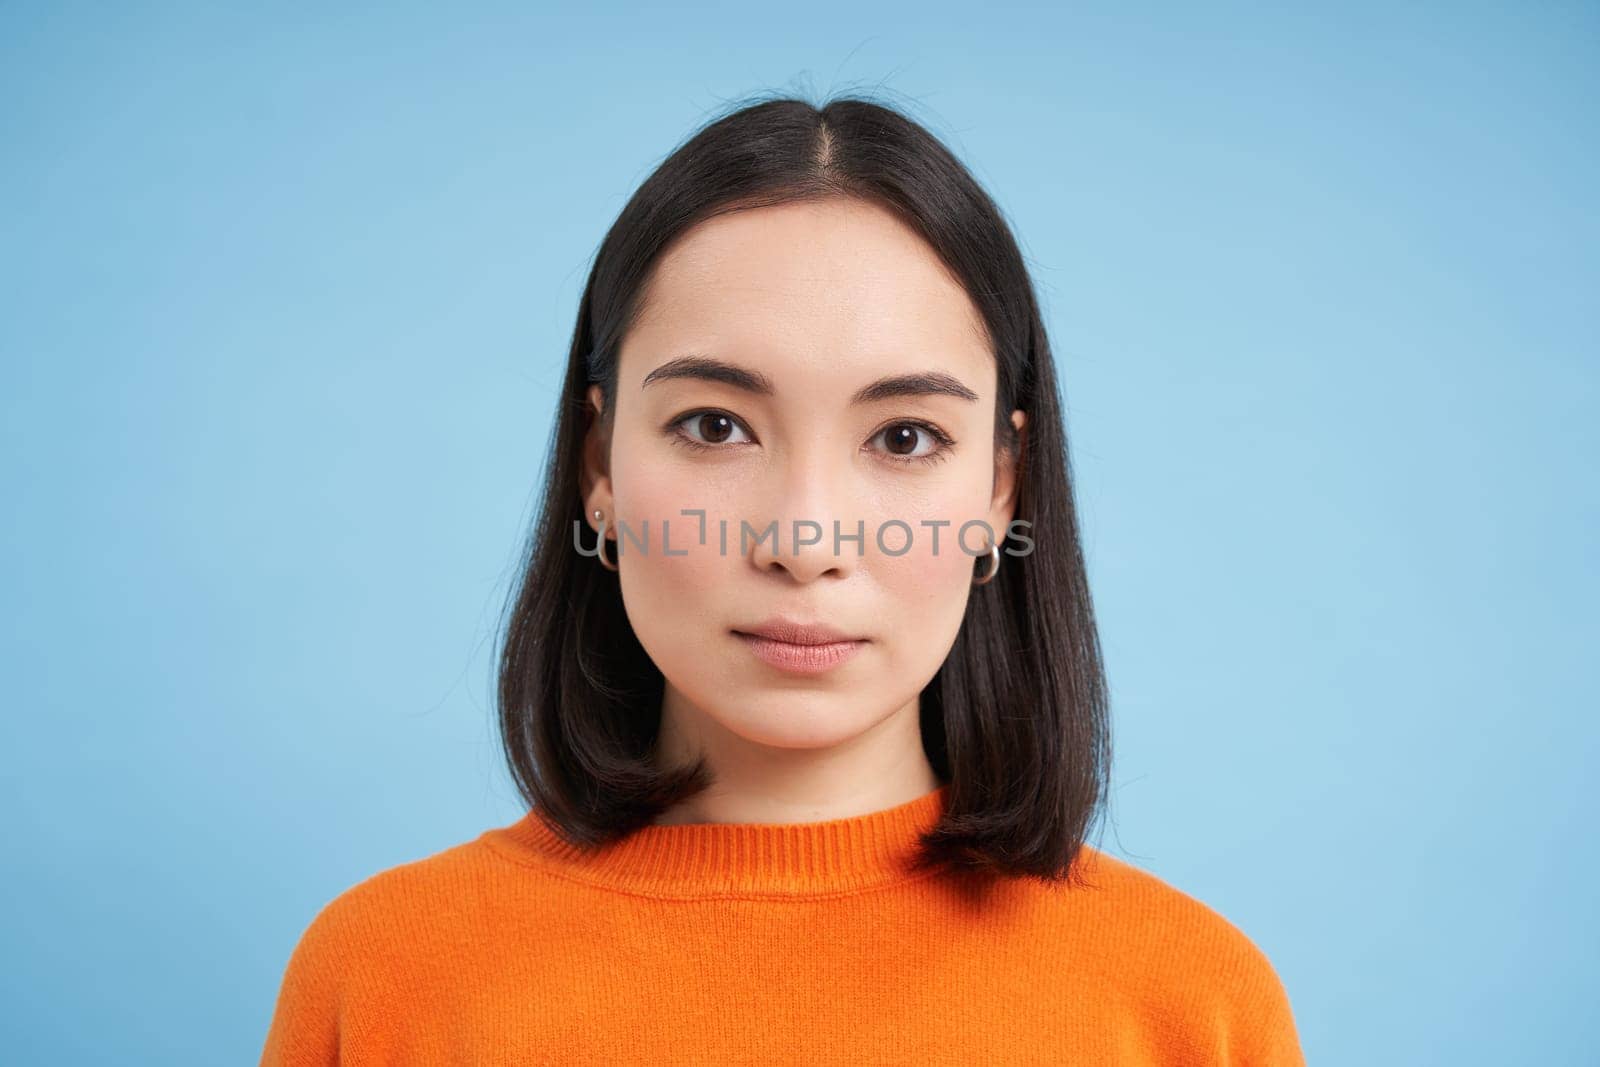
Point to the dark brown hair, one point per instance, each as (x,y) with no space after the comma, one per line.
(1015,722)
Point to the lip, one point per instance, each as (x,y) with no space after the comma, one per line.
(794,632)
(800,648)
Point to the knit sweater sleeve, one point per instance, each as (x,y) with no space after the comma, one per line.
(1262,1032)
(306,1023)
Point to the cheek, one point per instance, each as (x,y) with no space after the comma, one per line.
(677,604)
(924,591)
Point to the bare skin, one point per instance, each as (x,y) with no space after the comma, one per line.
(820,300)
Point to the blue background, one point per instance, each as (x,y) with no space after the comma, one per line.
(286,296)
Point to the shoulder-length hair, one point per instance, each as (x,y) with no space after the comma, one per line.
(1015,722)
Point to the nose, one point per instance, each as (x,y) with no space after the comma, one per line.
(796,535)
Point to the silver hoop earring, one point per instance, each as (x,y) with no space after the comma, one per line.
(994,568)
(600,546)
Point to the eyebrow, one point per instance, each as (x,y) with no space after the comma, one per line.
(704,368)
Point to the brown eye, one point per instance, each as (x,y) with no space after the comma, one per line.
(914,442)
(909,440)
(715,428)
(707,429)
(902,440)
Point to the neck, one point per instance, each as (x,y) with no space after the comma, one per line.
(694,860)
(793,768)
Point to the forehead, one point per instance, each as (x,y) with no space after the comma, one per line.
(814,285)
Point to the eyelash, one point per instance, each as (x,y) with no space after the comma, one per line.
(942,440)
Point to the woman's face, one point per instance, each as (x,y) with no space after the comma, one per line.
(794,312)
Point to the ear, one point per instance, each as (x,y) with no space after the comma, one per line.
(1007,471)
(594,479)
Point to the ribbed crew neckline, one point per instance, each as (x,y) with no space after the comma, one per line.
(738,859)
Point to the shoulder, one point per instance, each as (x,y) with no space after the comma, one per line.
(1194,971)
(399,885)
(373,944)
(398,913)
(1152,910)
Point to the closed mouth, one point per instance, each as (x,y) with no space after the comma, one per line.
(800,657)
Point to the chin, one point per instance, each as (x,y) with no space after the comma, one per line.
(795,721)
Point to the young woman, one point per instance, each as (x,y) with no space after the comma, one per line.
(801,682)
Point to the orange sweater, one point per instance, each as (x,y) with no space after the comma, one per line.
(805,943)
